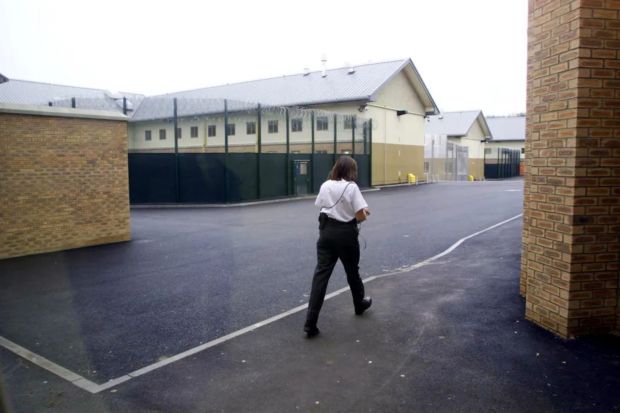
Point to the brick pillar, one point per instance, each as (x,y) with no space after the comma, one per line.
(571,238)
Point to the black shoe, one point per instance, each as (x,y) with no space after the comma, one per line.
(311,331)
(363,306)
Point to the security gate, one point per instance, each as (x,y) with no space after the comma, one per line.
(457,167)
(462,167)
(301,177)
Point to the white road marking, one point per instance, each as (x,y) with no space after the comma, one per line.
(92,387)
(48,365)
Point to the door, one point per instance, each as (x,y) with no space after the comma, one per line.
(301,176)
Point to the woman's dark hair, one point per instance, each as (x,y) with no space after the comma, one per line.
(344,168)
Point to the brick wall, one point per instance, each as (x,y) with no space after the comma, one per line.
(571,238)
(63,180)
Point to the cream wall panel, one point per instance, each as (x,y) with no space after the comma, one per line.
(138,141)
(400,94)
(241,137)
(508,144)
(473,141)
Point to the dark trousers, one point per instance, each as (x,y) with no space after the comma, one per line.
(336,240)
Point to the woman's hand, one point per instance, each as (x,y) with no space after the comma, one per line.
(362,214)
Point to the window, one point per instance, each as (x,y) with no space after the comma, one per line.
(487,151)
(193,132)
(211,130)
(426,167)
(162,134)
(321,123)
(230,128)
(179,134)
(296,125)
(348,122)
(272,126)
(250,128)
(147,135)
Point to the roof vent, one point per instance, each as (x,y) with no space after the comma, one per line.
(324,64)
(306,71)
(351,70)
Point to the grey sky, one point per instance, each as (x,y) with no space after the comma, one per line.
(471,54)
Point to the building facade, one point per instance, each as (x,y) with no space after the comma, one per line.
(337,102)
(508,132)
(466,129)
(329,108)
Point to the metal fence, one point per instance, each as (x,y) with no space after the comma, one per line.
(194,150)
(444,160)
(501,163)
(223,151)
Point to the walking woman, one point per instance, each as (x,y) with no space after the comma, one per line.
(342,207)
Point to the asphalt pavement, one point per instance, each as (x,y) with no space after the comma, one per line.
(448,336)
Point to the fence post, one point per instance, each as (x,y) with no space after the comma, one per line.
(352,136)
(335,137)
(288,167)
(370,152)
(365,138)
(499,163)
(177,181)
(312,150)
(259,150)
(226,177)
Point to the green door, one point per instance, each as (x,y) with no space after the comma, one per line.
(301,176)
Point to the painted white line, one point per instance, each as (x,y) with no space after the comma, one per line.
(215,342)
(48,365)
(96,388)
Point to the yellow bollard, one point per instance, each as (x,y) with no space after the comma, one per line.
(411,179)
(470,178)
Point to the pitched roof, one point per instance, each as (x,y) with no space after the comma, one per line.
(26,92)
(455,123)
(359,84)
(363,83)
(507,128)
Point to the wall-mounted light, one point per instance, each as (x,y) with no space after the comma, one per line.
(401,112)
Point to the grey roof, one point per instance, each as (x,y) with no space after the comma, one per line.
(339,85)
(507,128)
(362,84)
(455,123)
(25,92)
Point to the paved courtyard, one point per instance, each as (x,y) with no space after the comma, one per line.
(203,311)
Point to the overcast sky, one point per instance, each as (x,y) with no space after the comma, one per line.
(471,54)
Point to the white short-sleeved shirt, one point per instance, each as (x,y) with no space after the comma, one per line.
(340,199)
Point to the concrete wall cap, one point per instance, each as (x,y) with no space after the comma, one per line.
(61,112)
